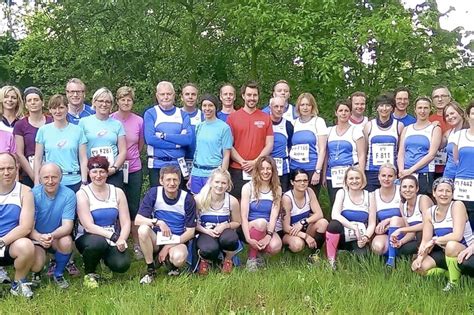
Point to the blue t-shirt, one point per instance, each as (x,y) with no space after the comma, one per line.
(406,120)
(49,212)
(61,146)
(87,111)
(222,116)
(102,136)
(212,138)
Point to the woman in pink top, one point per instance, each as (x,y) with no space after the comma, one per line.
(132,168)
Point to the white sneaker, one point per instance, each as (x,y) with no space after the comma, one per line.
(252,265)
(21,289)
(4,278)
(147,279)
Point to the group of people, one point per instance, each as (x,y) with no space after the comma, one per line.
(221,177)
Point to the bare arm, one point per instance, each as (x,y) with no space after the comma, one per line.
(38,161)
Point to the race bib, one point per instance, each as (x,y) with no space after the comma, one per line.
(189,165)
(106,151)
(125,167)
(183,167)
(441,157)
(337,176)
(300,153)
(279,165)
(110,228)
(167,240)
(350,234)
(31,161)
(382,153)
(464,189)
(246,176)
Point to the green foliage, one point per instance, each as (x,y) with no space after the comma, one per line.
(329,47)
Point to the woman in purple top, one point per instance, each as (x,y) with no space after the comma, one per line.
(25,133)
(132,167)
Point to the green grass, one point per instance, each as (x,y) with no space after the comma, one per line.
(287,285)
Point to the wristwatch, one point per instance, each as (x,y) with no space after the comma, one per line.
(304,222)
(318,171)
(2,243)
(154,221)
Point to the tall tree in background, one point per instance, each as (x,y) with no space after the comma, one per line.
(329,47)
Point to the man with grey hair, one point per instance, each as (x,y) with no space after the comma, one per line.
(55,209)
(282,132)
(167,131)
(75,93)
(441,97)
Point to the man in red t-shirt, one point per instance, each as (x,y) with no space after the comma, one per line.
(253,137)
(441,97)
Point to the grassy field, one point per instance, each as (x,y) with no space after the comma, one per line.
(287,285)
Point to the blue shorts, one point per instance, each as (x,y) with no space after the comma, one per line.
(197,182)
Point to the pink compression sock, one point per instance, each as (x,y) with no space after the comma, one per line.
(332,240)
(256,235)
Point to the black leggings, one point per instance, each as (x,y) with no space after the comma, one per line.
(94,248)
(410,248)
(467,267)
(210,247)
(336,227)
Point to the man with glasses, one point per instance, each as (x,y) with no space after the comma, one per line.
(75,93)
(441,97)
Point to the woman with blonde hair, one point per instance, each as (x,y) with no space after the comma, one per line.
(11,107)
(218,216)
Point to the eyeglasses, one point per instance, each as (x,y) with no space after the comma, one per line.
(441,96)
(299,181)
(104,102)
(75,91)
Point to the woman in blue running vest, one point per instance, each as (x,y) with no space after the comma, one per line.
(218,220)
(406,238)
(308,144)
(453,114)
(346,147)
(419,143)
(382,134)
(446,232)
(104,226)
(463,153)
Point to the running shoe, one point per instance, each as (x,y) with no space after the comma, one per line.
(227,266)
(4,278)
(51,268)
(260,261)
(315,258)
(450,286)
(332,264)
(149,277)
(72,269)
(138,252)
(36,279)
(252,265)
(203,267)
(21,288)
(91,281)
(61,282)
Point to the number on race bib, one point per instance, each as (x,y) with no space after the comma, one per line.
(337,176)
(110,228)
(166,240)
(464,189)
(383,153)
(107,151)
(246,176)
(350,234)
(300,153)
(441,157)
(279,165)
(183,167)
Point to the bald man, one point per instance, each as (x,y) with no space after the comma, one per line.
(55,208)
(16,222)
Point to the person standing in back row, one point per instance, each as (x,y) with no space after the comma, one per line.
(253,137)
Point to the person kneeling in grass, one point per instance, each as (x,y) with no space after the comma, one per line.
(303,220)
(55,208)
(353,217)
(260,207)
(104,223)
(167,221)
(446,233)
(218,219)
